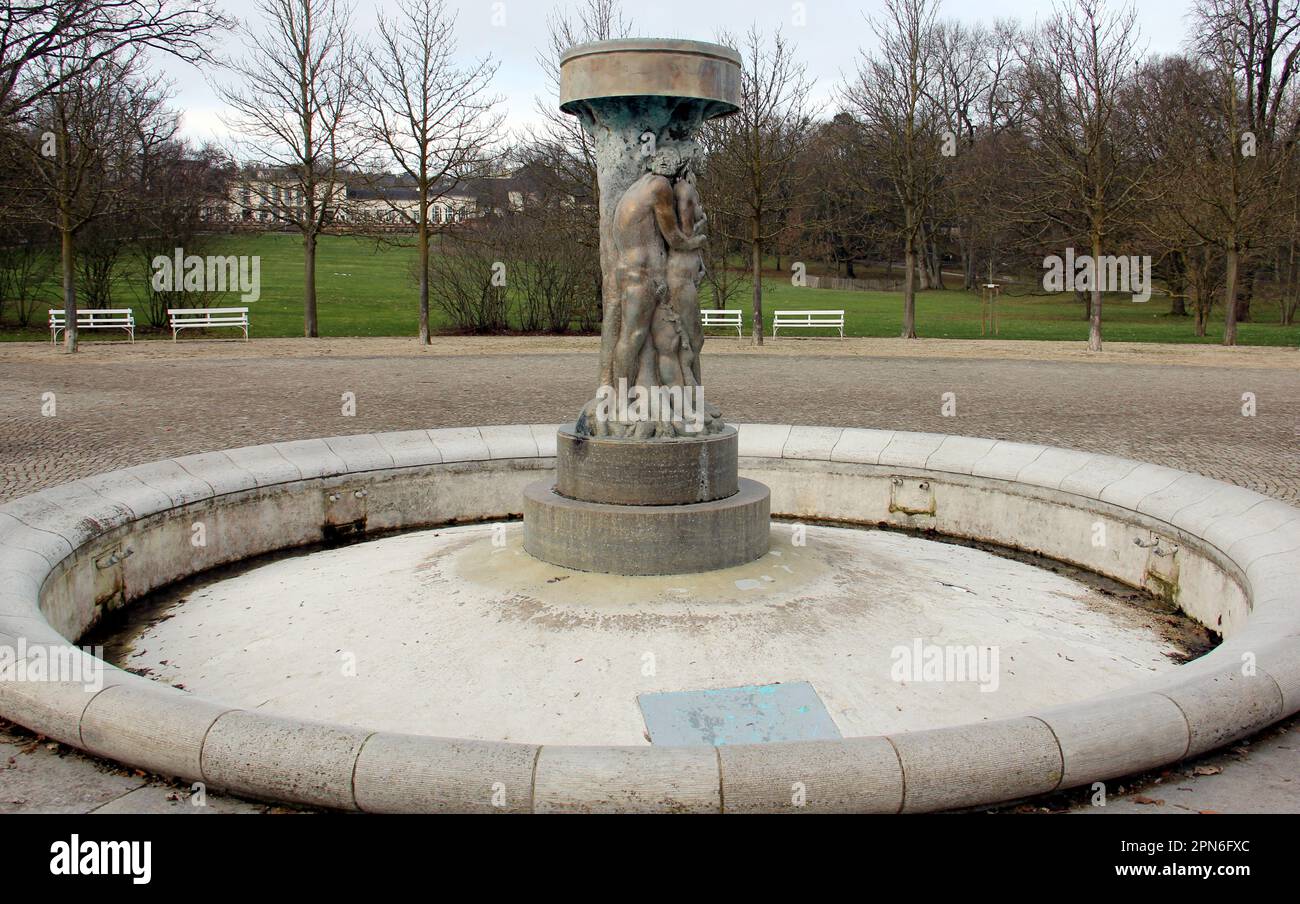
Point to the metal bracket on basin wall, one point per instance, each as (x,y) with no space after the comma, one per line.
(115,557)
(110,582)
(345,513)
(911,496)
(1161,574)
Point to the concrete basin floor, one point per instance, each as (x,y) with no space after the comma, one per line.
(458,632)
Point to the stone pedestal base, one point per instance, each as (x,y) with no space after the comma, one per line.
(659,472)
(647,539)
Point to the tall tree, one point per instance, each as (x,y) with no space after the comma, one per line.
(894,97)
(81,146)
(1252,48)
(977,67)
(562,147)
(431,115)
(295,107)
(753,173)
(1080,164)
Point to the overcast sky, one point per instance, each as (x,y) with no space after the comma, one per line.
(829,41)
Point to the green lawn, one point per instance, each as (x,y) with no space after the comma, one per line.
(956,315)
(365,289)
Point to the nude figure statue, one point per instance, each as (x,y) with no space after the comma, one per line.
(686,269)
(645,230)
(652,338)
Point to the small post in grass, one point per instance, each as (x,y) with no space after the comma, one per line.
(989,308)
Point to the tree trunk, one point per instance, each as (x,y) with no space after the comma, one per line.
(1230,297)
(310,329)
(1178,295)
(756,270)
(967,254)
(909,287)
(1247,296)
(924,261)
(936,263)
(69,289)
(1094,318)
(423,240)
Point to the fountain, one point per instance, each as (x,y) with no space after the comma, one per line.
(695,616)
(646,480)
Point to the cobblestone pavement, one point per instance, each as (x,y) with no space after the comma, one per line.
(117,405)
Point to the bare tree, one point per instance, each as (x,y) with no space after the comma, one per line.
(85,33)
(976,69)
(894,97)
(295,108)
(432,116)
(184,184)
(752,174)
(1081,166)
(1253,51)
(80,143)
(561,140)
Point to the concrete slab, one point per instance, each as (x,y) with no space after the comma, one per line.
(410,448)
(312,457)
(467,637)
(911,450)
(267,465)
(1052,467)
(47,777)
(512,441)
(218,471)
(169,800)
(814,443)
(1006,460)
(17,535)
(361,452)
(168,477)
(861,446)
(545,435)
(460,444)
(959,454)
(763,440)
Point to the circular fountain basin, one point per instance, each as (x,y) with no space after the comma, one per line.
(1225,556)
(460,632)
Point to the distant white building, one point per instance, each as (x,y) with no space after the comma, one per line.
(270,200)
(395,202)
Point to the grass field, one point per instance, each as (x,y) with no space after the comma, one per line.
(365,289)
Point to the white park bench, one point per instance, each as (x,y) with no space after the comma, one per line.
(106,319)
(726,319)
(808,320)
(205,318)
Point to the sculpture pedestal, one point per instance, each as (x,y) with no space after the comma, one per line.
(639,508)
(663,472)
(647,539)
